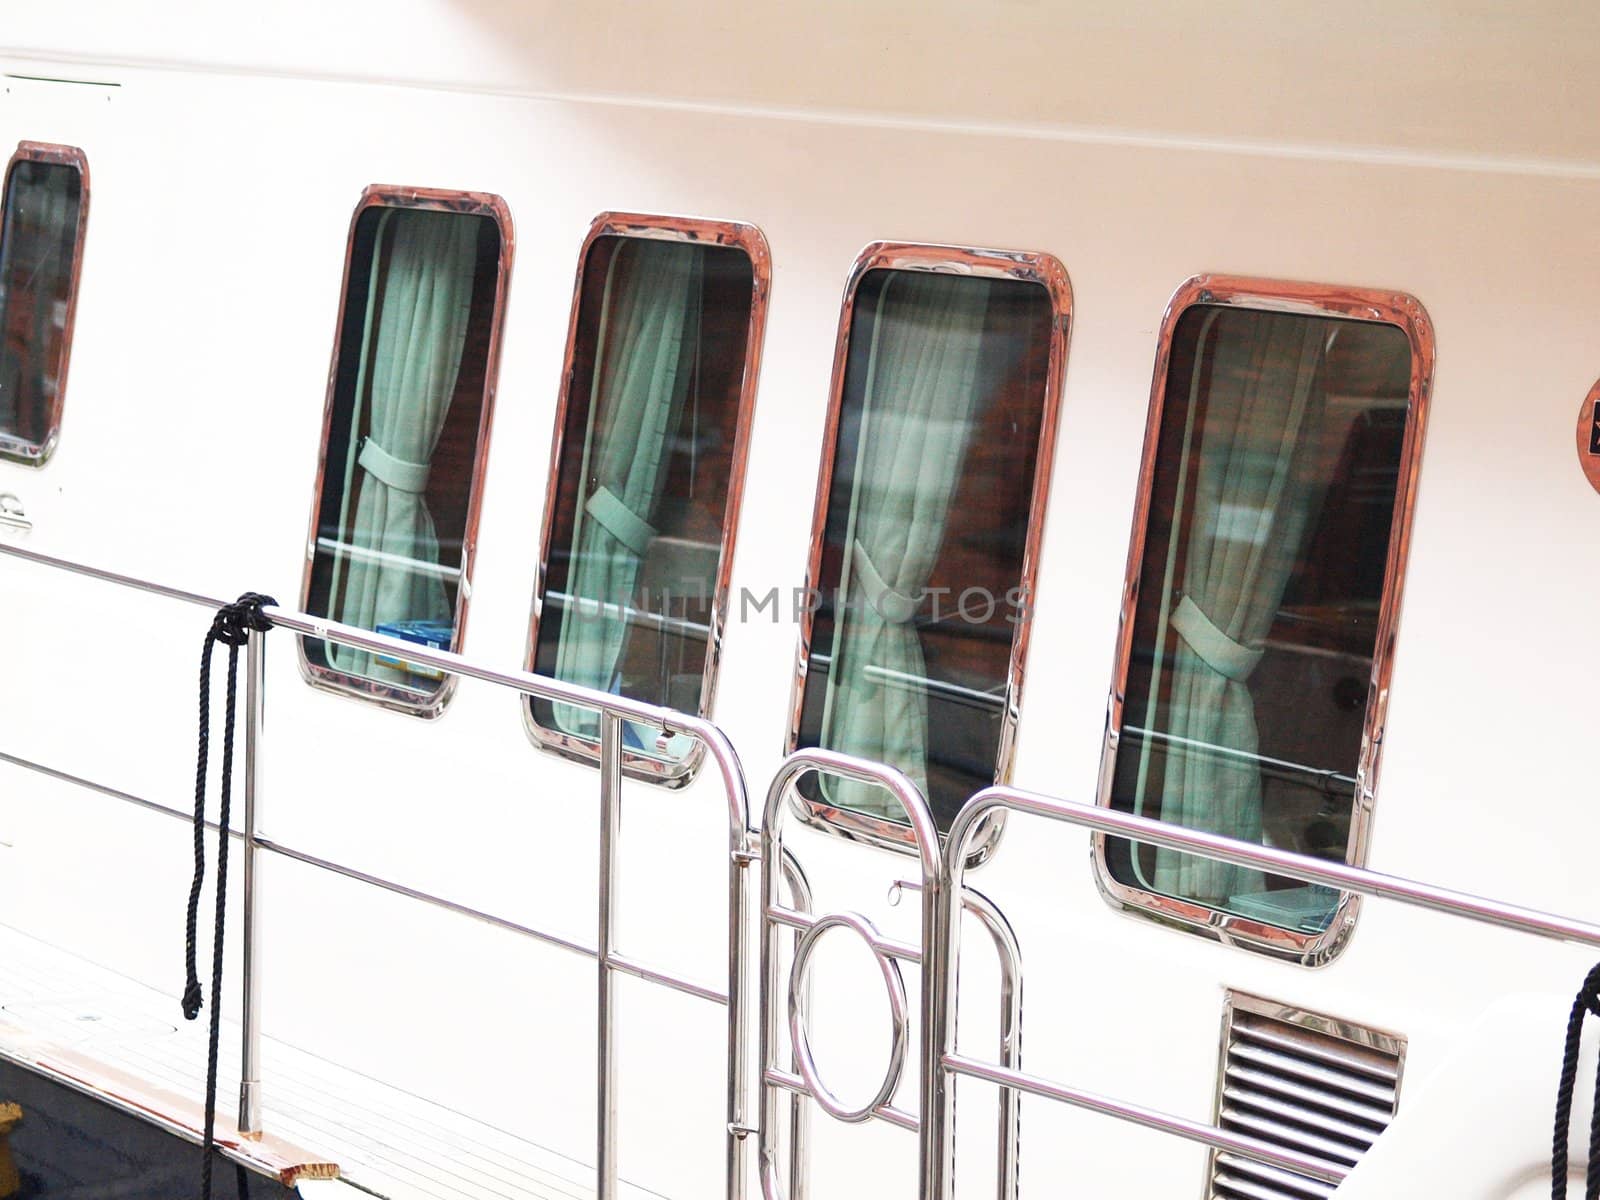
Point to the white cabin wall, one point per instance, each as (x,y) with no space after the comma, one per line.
(1437,77)
(219,210)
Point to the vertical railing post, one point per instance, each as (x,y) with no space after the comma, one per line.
(1008,1176)
(801,898)
(769,1014)
(941,911)
(605,1048)
(931,1121)
(738,1084)
(250,1007)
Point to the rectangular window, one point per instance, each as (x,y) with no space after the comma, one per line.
(930,505)
(1264,584)
(648,465)
(405,435)
(46,211)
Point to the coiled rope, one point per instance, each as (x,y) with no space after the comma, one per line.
(232,626)
(1587,1001)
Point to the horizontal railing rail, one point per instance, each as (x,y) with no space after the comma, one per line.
(610,962)
(1301,867)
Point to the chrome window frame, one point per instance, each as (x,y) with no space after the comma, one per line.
(1046,271)
(691,230)
(12,448)
(1372,305)
(430,705)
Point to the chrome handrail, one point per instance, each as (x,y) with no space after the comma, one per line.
(943,897)
(610,962)
(1210,846)
(1302,867)
(799,1079)
(775,917)
(1008,951)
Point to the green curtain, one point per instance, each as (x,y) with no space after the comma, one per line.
(416,327)
(644,367)
(917,418)
(1252,501)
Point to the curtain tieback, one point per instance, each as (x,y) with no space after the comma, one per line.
(620,521)
(1215,648)
(398,473)
(897,608)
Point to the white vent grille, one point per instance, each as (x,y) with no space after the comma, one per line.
(1303,1082)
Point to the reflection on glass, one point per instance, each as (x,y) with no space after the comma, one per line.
(647,460)
(402,449)
(1263,571)
(919,592)
(38,266)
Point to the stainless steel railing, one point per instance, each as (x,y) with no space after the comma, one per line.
(610,962)
(943,897)
(785,1000)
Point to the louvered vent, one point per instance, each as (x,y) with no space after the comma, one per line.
(1303,1082)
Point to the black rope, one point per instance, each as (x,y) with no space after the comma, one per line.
(232,626)
(1588,1001)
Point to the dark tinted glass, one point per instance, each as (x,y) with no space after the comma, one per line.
(647,460)
(919,594)
(38,270)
